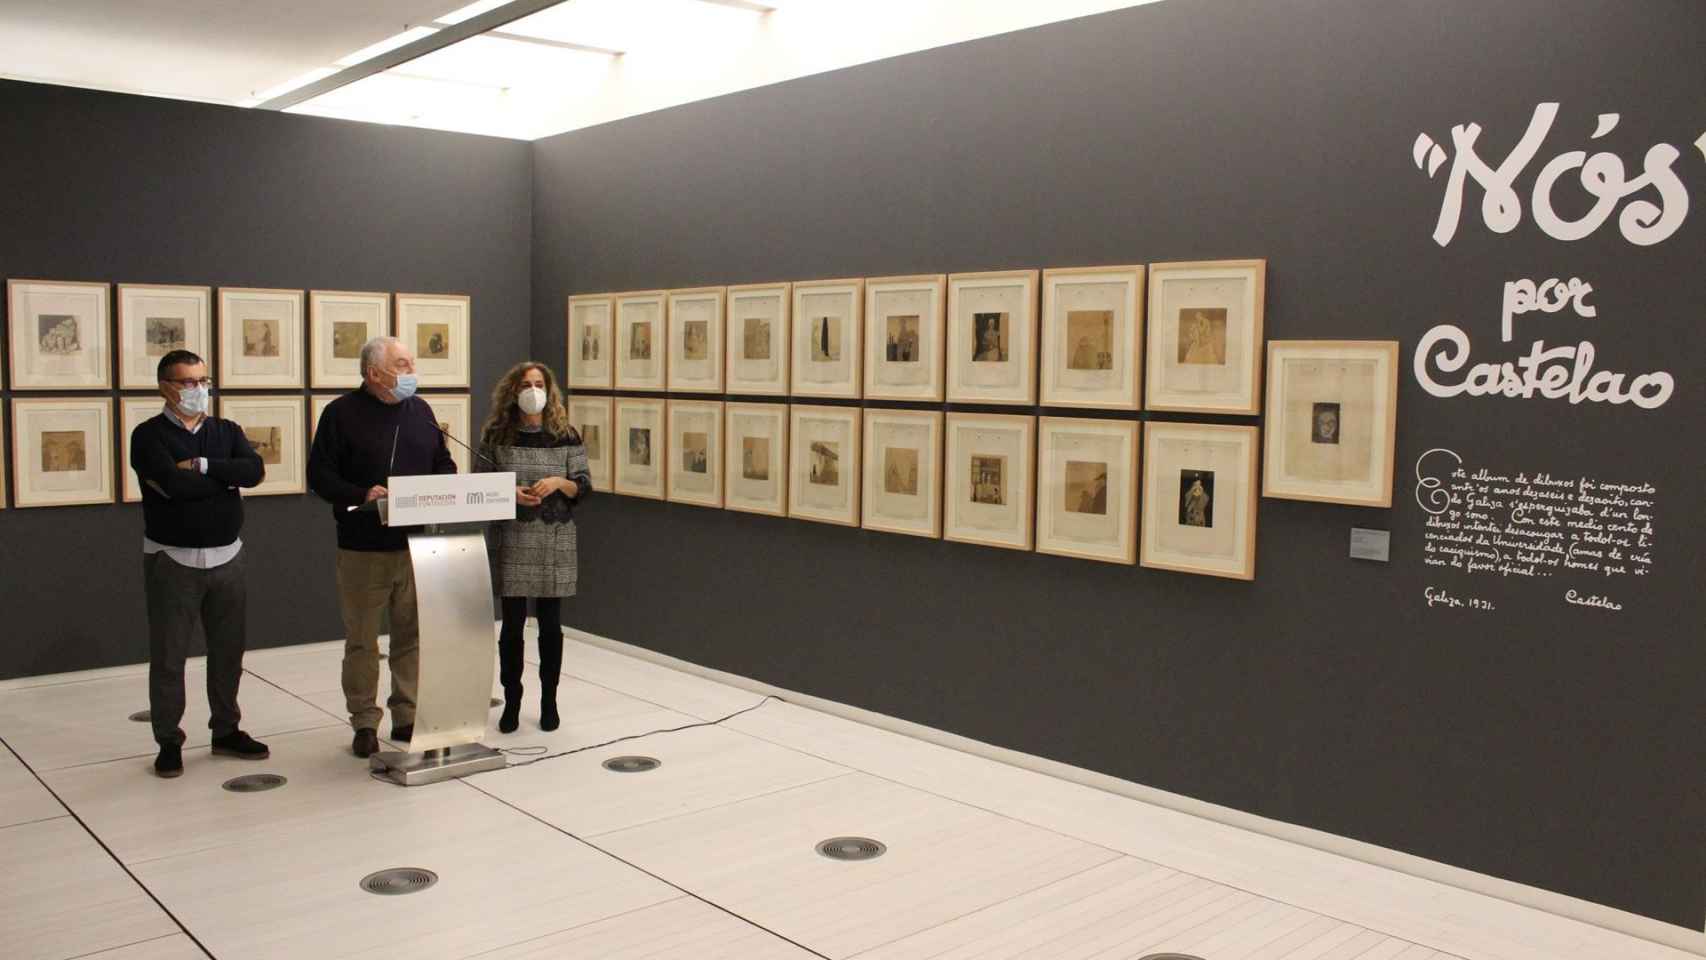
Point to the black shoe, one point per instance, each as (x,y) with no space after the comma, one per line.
(403,734)
(241,745)
(511,718)
(170,762)
(366,743)
(548,719)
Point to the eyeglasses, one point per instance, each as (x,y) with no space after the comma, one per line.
(190,384)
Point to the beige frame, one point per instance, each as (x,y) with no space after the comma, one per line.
(1276,483)
(852,342)
(587,375)
(625,379)
(319,377)
(461,425)
(198,339)
(133,411)
(270,486)
(678,382)
(875,418)
(104,446)
(626,408)
(952,477)
(317,404)
(1054,353)
(228,376)
(459,376)
(1047,541)
(933,341)
(779,462)
(1248,398)
(961,339)
(780,340)
(848,517)
(603,470)
(102,340)
(1154,513)
(714,452)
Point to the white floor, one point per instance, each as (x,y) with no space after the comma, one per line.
(710,856)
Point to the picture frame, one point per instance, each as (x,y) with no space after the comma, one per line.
(273,425)
(591,418)
(696,341)
(590,328)
(827,326)
(132,412)
(60,335)
(696,452)
(1087,484)
(755,458)
(1332,421)
(317,405)
(758,321)
(1092,337)
(438,328)
(642,337)
(640,449)
(340,323)
(454,414)
(903,475)
(1199,499)
(988,479)
(62,451)
(260,338)
(992,337)
(905,337)
(1205,336)
(823,464)
(155,319)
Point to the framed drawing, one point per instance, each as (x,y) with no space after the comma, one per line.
(640,341)
(696,340)
(317,408)
(1332,419)
(987,482)
(903,475)
(904,336)
(823,464)
(1199,499)
(438,328)
(154,320)
(992,334)
(132,411)
(260,338)
(339,324)
(62,452)
(696,452)
(453,412)
(274,428)
(640,449)
(589,342)
(591,419)
(1205,336)
(755,458)
(758,338)
(826,338)
(1087,488)
(1092,337)
(60,339)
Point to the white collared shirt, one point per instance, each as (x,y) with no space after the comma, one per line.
(198,558)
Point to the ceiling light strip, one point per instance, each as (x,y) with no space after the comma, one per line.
(744,5)
(559,44)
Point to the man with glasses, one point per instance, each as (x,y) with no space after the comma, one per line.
(190,466)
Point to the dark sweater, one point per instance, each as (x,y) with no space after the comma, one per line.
(353,452)
(183,508)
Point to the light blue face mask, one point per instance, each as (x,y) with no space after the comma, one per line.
(194,402)
(405,388)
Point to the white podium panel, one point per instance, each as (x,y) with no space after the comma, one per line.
(450,498)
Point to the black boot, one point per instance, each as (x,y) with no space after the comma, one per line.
(510,664)
(550,671)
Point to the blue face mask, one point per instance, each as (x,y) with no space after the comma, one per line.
(193,402)
(405,387)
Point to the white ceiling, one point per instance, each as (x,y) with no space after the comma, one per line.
(671,51)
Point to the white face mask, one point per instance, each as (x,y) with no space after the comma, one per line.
(531,400)
(193,402)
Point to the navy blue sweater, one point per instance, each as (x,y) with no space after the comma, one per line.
(183,508)
(353,451)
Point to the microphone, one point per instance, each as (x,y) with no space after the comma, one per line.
(464,445)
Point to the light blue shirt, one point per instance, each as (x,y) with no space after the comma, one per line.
(198,558)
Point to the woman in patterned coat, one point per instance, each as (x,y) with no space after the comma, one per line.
(528,432)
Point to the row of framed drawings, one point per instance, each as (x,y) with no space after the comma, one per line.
(964,337)
(61,338)
(63,448)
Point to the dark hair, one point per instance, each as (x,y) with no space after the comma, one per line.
(173,359)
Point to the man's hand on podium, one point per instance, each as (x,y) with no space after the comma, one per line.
(375,492)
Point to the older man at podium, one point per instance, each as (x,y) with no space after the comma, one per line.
(377,431)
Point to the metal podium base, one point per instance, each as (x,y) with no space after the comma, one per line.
(431,766)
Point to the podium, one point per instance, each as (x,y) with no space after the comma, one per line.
(453,591)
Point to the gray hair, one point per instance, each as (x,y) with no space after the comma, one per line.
(373,352)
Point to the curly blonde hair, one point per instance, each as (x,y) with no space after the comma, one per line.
(503,419)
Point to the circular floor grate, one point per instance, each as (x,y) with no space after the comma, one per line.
(632,764)
(142,716)
(254,783)
(398,881)
(1169,956)
(851,848)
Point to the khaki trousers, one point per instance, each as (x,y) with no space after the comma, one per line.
(371,583)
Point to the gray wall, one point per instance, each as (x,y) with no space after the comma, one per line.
(1542,743)
(104,187)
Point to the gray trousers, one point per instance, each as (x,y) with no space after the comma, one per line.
(179,598)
